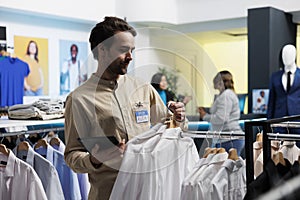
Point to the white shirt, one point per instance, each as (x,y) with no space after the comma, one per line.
(154,166)
(284,76)
(259,163)
(230,182)
(290,151)
(257,149)
(188,190)
(18,180)
(204,186)
(46,172)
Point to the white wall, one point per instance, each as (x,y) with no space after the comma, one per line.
(203,10)
(167,11)
(148,11)
(87,10)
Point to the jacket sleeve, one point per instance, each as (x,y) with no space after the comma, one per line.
(76,155)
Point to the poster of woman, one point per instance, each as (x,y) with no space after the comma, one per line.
(73,71)
(34,51)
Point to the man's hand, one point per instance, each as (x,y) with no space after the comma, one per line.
(178,110)
(99,156)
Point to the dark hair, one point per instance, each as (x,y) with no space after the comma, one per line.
(74,45)
(106,29)
(37,50)
(155,80)
(227,79)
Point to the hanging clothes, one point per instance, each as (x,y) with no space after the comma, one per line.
(271,177)
(18,180)
(67,177)
(154,165)
(230,182)
(45,170)
(12,74)
(199,185)
(290,151)
(83,179)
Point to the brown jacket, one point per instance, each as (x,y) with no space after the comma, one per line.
(100,107)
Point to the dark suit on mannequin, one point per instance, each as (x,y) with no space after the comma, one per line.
(283,101)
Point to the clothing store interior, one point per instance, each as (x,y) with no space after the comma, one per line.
(161,100)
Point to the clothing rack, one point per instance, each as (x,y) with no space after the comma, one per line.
(267,127)
(43,130)
(281,136)
(213,134)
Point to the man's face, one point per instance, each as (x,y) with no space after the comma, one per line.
(74,52)
(119,54)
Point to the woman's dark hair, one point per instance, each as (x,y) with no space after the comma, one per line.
(227,79)
(106,29)
(155,81)
(37,50)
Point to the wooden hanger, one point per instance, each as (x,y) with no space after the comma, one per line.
(55,141)
(221,150)
(278,158)
(41,143)
(4,150)
(170,122)
(208,151)
(259,137)
(232,154)
(23,146)
(51,134)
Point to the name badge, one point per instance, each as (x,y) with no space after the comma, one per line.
(141,116)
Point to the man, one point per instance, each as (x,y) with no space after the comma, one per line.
(73,72)
(113,104)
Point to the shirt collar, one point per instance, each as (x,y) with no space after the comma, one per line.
(30,156)
(10,166)
(219,157)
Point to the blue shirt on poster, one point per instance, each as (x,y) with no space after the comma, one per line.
(12,74)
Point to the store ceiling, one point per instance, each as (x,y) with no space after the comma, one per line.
(221,31)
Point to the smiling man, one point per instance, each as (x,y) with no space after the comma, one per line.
(110,107)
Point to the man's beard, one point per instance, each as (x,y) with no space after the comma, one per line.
(118,67)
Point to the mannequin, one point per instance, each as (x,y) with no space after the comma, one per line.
(284,101)
(288,59)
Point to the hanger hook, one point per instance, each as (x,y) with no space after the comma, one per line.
(206,139)
(287,128)
(220,139)
(231,139)
(258,129)
(2,140)
(276,138)
(272,129)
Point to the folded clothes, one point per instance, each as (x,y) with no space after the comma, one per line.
(40,109)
